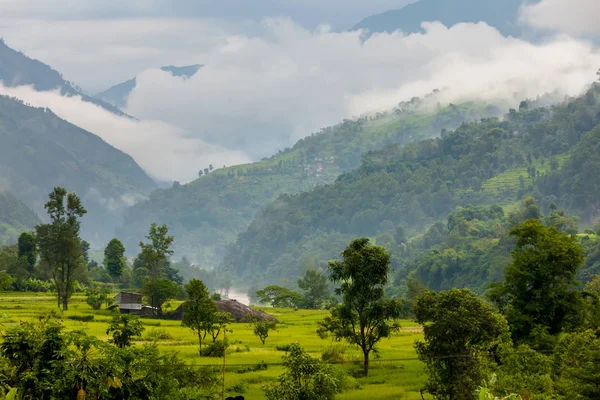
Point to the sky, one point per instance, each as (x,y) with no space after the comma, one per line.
(277,71)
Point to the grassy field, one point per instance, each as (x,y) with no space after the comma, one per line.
(395,374)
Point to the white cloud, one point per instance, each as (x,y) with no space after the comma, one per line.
(258,94)
(161,149)
(578,17)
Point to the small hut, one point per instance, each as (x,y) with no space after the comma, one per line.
(129,303)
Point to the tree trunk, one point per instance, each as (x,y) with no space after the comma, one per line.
(65,303)
(366,363)
(200,343)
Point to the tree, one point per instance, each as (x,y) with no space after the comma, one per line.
(539,288)
(314,285)
(123,328)
(363,318)
(199,310)
(154,258)
(279,296)
(220,321)
(200,173)
(59,242)
(305,378)
(262,327)
(28,251)
(114,258)
(460,332)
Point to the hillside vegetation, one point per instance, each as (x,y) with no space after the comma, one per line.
(208,213)
(399,192)
(15,217)
(39,151)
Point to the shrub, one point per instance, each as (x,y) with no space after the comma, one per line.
(82,318)
(335,354)
(283,347)
(238,388)
(158,334)
(216,349)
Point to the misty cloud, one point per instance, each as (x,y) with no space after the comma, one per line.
(162,150)
(260,94)
(578,17)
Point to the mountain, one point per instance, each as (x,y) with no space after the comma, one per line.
(39,150)
(117,95)
(208,213)
(16,69)
(399,192)
(15,218)
(499,14)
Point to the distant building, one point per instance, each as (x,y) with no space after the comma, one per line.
(129,303)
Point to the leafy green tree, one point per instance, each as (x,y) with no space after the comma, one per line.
(315,287)
(261,327)
(539,289)
(199,311)
(28,251)
(59,242)
(123,328)
(364,316)
(154,258)
(114,258)
(220,322)
(279,296)
(460,332)
(305,378)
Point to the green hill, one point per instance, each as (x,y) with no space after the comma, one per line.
(207,214)
(15,218)
(501,14)
(407,189)
(38,151)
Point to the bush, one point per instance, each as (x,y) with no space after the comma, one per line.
(283,347)
(261,366)
(82,318)
(158,334)
(216,349)
(238,388)
(335,354)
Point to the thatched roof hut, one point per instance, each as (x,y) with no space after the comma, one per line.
(238,311)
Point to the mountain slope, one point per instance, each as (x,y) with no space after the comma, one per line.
(208,213)
(405,190)
(38,151)
(499,14)
(16,69)
(15,218)
(117,95)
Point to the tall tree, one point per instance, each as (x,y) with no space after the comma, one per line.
(314,285)
(199,311)
(154,257)
(114,258)
(539,288)
(28,251)
(460,331)
(59,242)
(364,317)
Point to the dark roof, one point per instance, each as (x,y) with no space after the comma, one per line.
(128,298)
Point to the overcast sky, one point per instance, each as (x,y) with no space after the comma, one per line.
(273,73)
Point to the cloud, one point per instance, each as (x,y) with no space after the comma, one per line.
(577,17)
(260,94)
(164,151)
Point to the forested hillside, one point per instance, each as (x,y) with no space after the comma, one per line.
(207,214)
(499,14)
(15,217)
(39,151)
(16,69)
(399,192)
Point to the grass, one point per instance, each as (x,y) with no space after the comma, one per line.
(395,373)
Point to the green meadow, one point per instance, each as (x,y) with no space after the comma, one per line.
(395,371)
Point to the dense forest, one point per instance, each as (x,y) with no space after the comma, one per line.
(398,192)
(208,213)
